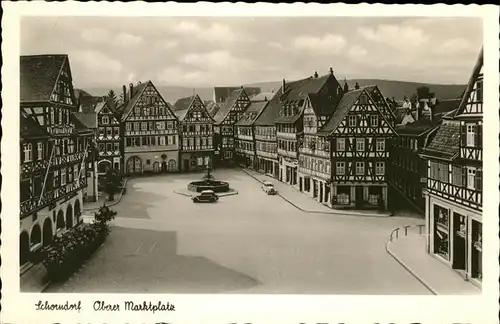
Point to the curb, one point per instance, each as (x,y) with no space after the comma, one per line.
(116,202)
(407,268)
(220,195)
(340,213)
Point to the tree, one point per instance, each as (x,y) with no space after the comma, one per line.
(113,183)
(423,92)
(112,96)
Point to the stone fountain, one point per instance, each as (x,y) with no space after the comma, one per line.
(208,182)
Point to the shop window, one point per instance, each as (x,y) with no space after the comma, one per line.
(441,232)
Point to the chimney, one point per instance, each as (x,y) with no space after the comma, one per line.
(431,114)
(331,70)
(124,93)
(131,85)
(420,108)
(283,86)
(346,87)
(265,98)
(356,86)
(315,74)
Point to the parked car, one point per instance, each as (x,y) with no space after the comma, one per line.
(206,196)
(268,188)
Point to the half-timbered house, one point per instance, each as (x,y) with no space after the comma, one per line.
(229,113)
(408,172)
(360,135)
(196,136)
(293,99)
(54,152)
(266,145)
(108,137)
(245,135)
(454,195)
(151,140)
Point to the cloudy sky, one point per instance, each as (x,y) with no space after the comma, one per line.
(208,51)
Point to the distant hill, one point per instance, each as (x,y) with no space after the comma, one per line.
(389,88)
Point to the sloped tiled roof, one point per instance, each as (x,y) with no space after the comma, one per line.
(225,92)
(38,76)
(30,129)
(251,114)
(181,113)
(80,126)
(129,105)
(226,106)
(444,106)
(183,103)
(445,143)
(89,120)
(345,104)
(262,96)
(470,85)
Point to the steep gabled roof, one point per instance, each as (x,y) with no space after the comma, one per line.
(252,113)
(226,106)
(470,86)
(270,111)
(344,106)
(225,92)
(130,104)
(444,106)
(445,142)
(38,76)
(181,113)
(80,126)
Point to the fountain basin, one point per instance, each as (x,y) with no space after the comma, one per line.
(215,186)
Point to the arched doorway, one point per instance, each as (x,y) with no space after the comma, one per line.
(47,231)
(103,166)
(36,235)
(77,211)
(24,248)
(60,220)
(172,165)
(156,167)
(69,216)
(134,165)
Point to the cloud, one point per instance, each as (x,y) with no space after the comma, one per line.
(329,43)
(176,75)
(455,46)
(96,61)
(357,53)
(215,59)
(214,33)
(395,35)
(125,39)
(95,35)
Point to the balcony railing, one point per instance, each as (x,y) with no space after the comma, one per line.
(292,154)
(267,154)
(286,135)
(60,129)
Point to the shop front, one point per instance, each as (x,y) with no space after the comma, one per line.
(456,237)
(288,171)
(358,196)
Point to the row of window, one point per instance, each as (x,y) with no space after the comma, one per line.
(61,147)
(316,143)
(197,142)
(58,116)
(314,164)
(287,145)
(226,129)
(267,147)
(105,120)
(340,166)
(109,147)
(244,145)
(286,128)
(353,120)
(109,131)
(360,144)
(265,131)
(462,176)
(245,131)
(62,93)
(198,128)
(150,141)
(227,141)
(144,126)
(405,142)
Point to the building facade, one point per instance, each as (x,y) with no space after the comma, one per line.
(54,152)
(360,137)
(151,140)
(108,136)
(245,147)
(454,196)
(196,136)
(225,119)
